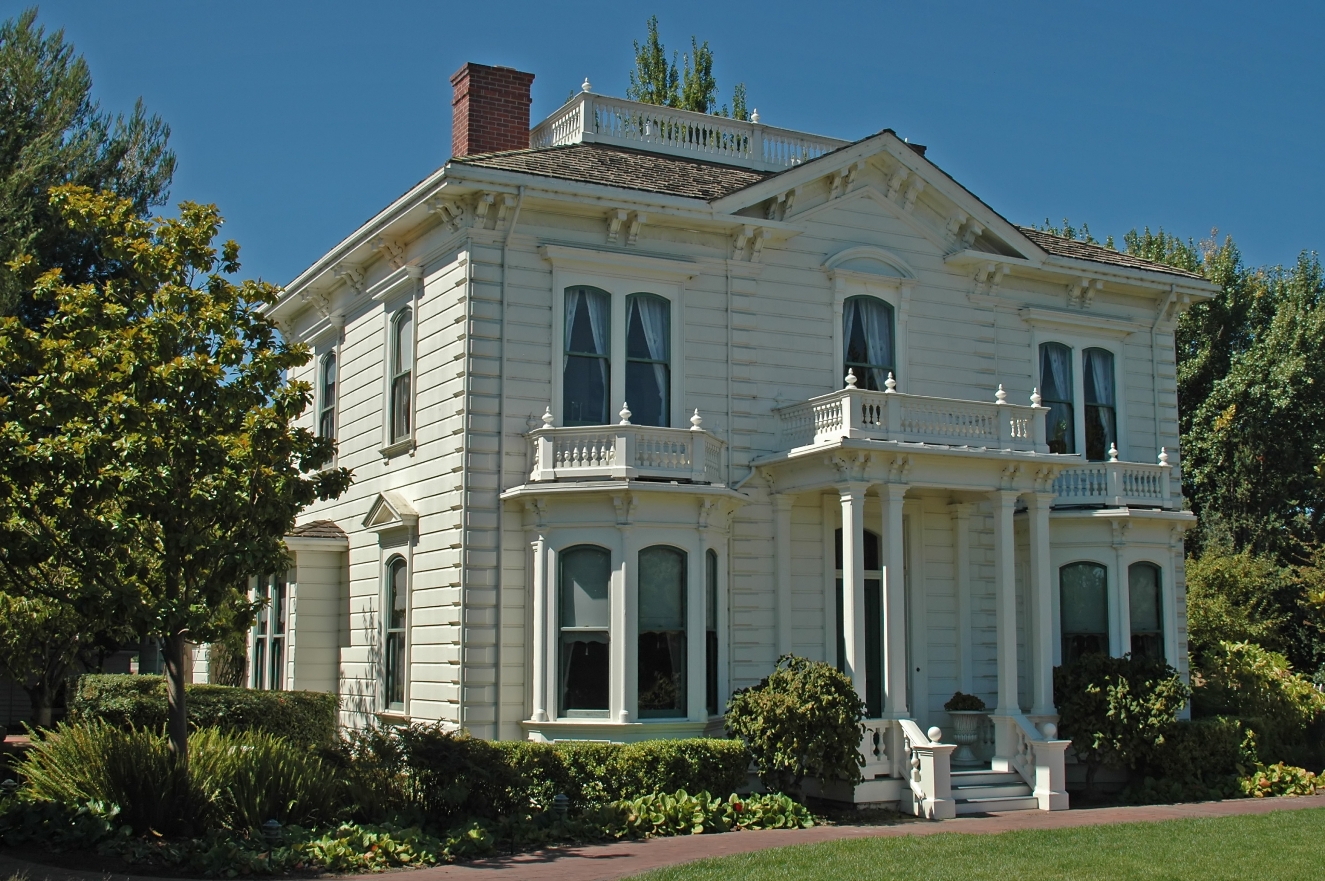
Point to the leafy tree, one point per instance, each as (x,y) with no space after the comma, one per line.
(699,90)
(656,81)
(148,424)
(1237,597)
(52,133)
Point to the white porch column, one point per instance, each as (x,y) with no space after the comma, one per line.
(695,652)
(961,545)
(853,581)
(782,569)
(542,625)
(894,600)
(624,640)
(1042,604)
(1005,603)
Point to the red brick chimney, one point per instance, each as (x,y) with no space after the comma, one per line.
(489,109)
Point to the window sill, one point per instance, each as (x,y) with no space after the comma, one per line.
(393,451)
(392,717)
(613,732)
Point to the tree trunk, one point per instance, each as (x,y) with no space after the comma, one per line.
(43,699)
(177,724)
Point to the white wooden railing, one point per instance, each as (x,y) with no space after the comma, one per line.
(928,771)
(889,415)
(875,749)
(590,118)
(624,451)
(1039,758)
(1117,484)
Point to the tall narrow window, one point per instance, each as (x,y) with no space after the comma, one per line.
(402,368)
(873,621)
(648,361)
(867,341)
(1084,600)
(711,632)
(1101,422)
(326,420)
(583,675)
(269,632)
(397,611)
(662,633)
(1144,600)
(586,373)
(1056,394)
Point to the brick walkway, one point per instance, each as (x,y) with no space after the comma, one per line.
(606,862)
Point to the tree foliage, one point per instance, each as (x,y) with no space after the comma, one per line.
(146,430)
(53,133)
(655,80)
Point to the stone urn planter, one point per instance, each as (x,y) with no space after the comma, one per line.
(965,732)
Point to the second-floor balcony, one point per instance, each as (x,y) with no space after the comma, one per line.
(625,452)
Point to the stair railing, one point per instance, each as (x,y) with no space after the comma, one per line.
(1038,757)
(928,771)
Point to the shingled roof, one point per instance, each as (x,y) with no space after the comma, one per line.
(319,529)
(618,167)
(1063,247)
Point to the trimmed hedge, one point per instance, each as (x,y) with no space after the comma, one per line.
(307,717)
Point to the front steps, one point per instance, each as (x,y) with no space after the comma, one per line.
(977,792)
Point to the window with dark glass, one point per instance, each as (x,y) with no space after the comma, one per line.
(1084,601)
(867,341)
(711,632)
(1145,603)
(586,373)
(662,632)
(1056,394)
(326,421)
(397,605)
(648,359)
(402,367)
(585,573)
(873,621)
(1101,421)
(269,633)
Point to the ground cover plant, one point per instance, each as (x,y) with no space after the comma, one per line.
(1276,847)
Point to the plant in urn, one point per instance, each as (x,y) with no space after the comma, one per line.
(965,710)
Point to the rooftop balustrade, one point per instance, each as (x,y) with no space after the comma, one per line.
(625,452)
(589,118)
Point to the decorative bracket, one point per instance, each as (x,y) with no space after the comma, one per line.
(760,237)
(614,221)
(895,182)
(638,219)
(350,274)
(1009,476)
(1081,293)
(481,208)
(955,223)
(319,300)
(705,510)
(393,251)
(971,232)
(989,277)
(625,508)
(538,508)
(780,208)
(451,213)
(917,187)
(507,203)
(739,241)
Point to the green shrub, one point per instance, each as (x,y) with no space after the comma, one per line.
(451,776)
(1205,751)
(1279,780)
(803,720)
(680,814)
(1117,710)
(308,717)
(251,777)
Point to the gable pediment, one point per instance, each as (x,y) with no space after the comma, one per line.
(391,511)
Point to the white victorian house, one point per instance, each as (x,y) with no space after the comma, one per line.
(638,400)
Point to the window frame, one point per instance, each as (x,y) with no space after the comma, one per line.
(1161,630)
(1087,405)
(630,301)
(1046,401)
(1110,609)
(396,371)
(402,289)
(685,673)
(402,633)
(323,407)
(1111,340)
(271,625)
(556,698)
(861,368)
(871,272)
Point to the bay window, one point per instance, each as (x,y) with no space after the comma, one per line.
(867,341)
(648,361)
(582,676)
(662,632)
(1084,606)
(1146,611)
(1101,421)
(586,364)
(1056,394)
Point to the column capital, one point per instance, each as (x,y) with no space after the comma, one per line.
(892,491)
(852,489)
(960,509)
(1040,499)
(782,501)
(1005,497)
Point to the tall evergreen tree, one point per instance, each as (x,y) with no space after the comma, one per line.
(52,133)
(655,80)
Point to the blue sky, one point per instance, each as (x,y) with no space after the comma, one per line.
(301,120)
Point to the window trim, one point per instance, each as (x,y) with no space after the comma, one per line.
(322,406)
(386,630)
(895,290)
(555,697)
(1111,605)
(1078,343)
(625,330)
(399,291)
(1165,651)
(397,371)
(894,370)
(256,583)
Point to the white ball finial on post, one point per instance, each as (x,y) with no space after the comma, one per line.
(935,734)
(547,417)
(1000,396)
(696,421)
(851,377)
(1035,397)
(754,116)
(1113,452)
(890,384)
(584,86)
(625,413)
(1164,456)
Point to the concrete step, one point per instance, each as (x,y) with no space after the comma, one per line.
(1007,790)
(983,805)
(984,778)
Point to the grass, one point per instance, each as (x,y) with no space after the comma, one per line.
(1282,845)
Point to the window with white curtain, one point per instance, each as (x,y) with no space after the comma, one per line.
(648,359)
(402,370)
(1101,415)
(326,422)
(397,610)
(867,341)
(1084,605)
(585,574)
(1056,394)
(662,632)
(1145,603)
(586,364)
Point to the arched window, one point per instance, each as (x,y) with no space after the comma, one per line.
(867,341)
(873,621)
(402,368)
(326,420)
(586,369)
(1056,394)
(711,631)
(1101,416)
(397,613)
(1084,602)
(648,359)
(1146,604)
(586,572)
(662,632)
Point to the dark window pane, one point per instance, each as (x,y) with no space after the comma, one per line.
(711,681)
(259,659)
(398,595)
(402,343)
(1146,610)
(590,313)
(584,390)
(327,424)
(584,669)
(584,610)
(276,679)
(400,407)
(1060,428)
(648,357)
(711,632)
(1083,596)
(647,393)
(662,632)
(873,648)
(867,336)
(395,670)
(873,558)
(1100,432)
(585,575)
(1097,380)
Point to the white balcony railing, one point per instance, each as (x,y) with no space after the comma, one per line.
(889,415)
(625,451)
(590,118)
(1117,484)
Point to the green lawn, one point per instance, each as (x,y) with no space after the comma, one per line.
(1283,845)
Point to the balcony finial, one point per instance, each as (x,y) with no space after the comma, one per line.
(624,414)
(851,377)
(754,116)
(890,384)
(1035,397)
(1000,396)
(585,87)
(696,421)
(1164,456)
(547,417)
(1113,452)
